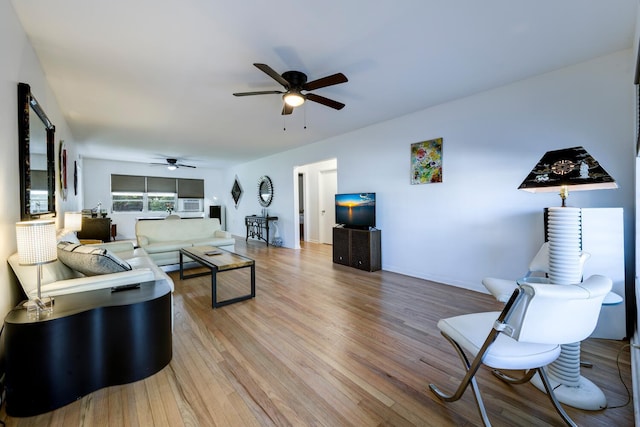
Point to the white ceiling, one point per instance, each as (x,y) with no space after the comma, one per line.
(142,80)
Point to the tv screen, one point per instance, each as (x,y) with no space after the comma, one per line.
(356,210)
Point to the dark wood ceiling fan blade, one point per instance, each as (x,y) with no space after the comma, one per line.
(331,80)
(286,109)
(180,165)
(262,92)
(273,74)
(325,101)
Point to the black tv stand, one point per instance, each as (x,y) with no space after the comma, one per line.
(357,248)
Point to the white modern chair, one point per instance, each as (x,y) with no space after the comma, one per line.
(502,289)
(526,335)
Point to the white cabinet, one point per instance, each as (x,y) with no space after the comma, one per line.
(603,238)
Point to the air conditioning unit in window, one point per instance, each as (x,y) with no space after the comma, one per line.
(190,205)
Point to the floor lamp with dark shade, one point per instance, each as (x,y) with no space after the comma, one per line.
(570,167)
(561,170)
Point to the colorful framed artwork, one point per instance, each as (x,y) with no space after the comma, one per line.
(426,161)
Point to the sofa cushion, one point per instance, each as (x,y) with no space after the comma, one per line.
(90,261)
(213,241)
(222,234)
(178,229)
(168,246)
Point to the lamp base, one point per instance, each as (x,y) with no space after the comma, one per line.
(586,395)
(38,307)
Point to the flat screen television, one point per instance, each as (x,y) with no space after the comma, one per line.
(356,210)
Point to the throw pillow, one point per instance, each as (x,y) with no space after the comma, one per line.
(90,261)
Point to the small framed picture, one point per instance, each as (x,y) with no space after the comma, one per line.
(426,161)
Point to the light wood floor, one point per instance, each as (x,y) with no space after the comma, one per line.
(322,344)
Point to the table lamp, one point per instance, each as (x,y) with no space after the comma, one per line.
(37,246)
(73,221)
(557,171)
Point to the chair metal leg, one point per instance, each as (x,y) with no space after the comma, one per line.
(552,397)
(469,378)
(513,380)
(472,368)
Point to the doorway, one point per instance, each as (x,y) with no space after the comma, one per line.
(301,204)
(328,186)
(315,188)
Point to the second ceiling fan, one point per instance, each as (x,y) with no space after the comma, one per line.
(173,164)
(294,83)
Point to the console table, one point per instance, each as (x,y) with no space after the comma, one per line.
(92,340)
(258,227)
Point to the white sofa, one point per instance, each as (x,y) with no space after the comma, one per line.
(59,279)
(163,239)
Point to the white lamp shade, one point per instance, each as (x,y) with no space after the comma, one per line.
(294,99)
(73,221)
(36,242)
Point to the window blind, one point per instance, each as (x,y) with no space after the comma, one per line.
(191,188)
(186,188)
(39,180)
(127,183)
(161,185)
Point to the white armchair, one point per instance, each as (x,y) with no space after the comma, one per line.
(527,334)
(502,289)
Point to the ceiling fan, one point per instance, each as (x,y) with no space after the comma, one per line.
(294,83)
(172,164)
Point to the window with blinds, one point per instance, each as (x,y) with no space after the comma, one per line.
(127,193)
(133,193)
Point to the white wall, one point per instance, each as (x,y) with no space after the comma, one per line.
(97,185)
(476,223)
(472,225)
(19,64)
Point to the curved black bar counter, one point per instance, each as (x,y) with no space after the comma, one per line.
(92,340)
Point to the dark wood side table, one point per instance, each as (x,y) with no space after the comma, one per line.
(95,228)
(92,340)
(258,227)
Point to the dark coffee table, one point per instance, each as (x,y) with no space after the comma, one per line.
(216,259)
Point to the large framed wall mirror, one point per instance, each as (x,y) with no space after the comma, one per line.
(36,157)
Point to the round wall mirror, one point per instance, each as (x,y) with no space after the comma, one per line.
(265,191)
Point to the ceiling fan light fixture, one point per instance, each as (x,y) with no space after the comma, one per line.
(293,98)
(172,167)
